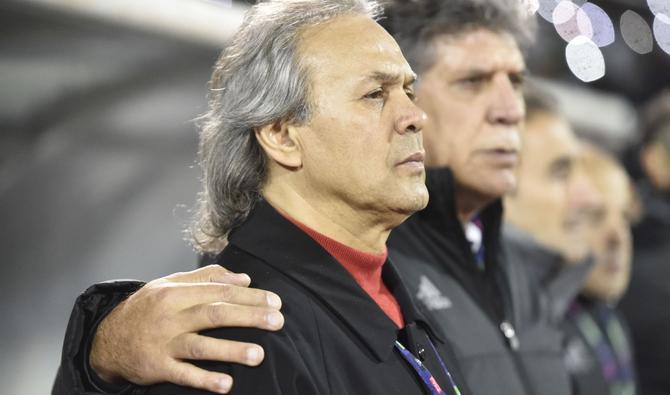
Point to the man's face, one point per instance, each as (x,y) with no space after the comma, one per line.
(554,199)
(363,144)
(611,240)
(472,97)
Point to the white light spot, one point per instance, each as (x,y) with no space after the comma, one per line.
(658,7)
(564,11)
(600,23)
(546,9)
(570,21)
(636,32)
(662,31)
(585,59)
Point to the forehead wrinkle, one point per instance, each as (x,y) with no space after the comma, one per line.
(460,51)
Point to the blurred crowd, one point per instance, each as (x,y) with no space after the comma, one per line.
(542,252)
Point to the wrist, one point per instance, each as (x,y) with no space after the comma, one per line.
(101,359)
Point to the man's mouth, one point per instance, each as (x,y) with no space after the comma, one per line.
(503,156)
(414,160)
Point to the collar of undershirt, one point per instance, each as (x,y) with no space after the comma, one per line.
(362,265)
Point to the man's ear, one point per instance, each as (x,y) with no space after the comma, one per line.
(280,142)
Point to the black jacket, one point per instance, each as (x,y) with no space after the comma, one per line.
(434,259)
(336,339)
(598,344)
(495,320)
(646,302)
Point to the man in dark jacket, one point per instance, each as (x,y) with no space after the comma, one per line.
(548,215)
(568,222)
(470,70)
(599,355)
(305,206)
(646,303)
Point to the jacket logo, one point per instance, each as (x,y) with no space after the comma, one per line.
(431,296)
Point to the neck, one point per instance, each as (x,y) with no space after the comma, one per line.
(331,217)
(469,203)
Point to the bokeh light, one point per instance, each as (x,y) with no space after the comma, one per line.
(600,23)
(568,22)
(546,9)
(589,20)
(662,31)
(585,59)
(636,32)
(659,7)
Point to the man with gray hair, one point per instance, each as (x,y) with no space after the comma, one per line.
(312,153)
(471,69)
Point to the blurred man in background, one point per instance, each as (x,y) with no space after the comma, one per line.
(548,214)
(598,346)
(646,304)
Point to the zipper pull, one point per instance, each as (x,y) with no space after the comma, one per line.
(510,334)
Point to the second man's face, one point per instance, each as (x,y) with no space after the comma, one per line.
(472,95)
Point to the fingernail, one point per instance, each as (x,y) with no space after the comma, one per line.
(243,277)
(224,384)
(253,355)
(274,319)
(273,300)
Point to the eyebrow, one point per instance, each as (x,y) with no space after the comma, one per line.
(487,73)
(388,78)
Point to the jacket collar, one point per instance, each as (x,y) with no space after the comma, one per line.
(560,281)
(441,213)
(270,237)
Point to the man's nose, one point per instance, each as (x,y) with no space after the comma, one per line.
(411,118)
(508,107)
(583,194)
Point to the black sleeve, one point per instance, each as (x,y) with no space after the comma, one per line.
(74,375)
(289,368)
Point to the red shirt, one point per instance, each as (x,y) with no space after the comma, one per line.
(364,267)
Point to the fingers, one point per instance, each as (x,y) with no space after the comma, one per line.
(217,315)
(203,293)
(187,375)
(211,273)
(198,347)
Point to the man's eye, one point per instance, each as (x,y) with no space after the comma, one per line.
(410,94)
(376,94)
(517,80)
(473,82)
(561,173)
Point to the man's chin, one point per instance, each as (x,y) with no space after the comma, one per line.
(496,185)
(416,199)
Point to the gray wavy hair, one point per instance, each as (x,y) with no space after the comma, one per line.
(257,80)
(416,23)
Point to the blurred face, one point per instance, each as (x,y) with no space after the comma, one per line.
(656,163)
(611,240)
(554,200)
(363,145)
(475,107)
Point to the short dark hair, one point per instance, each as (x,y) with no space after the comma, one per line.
(416,23)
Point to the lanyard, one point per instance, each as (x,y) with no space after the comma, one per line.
(428,380)
(611,347)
